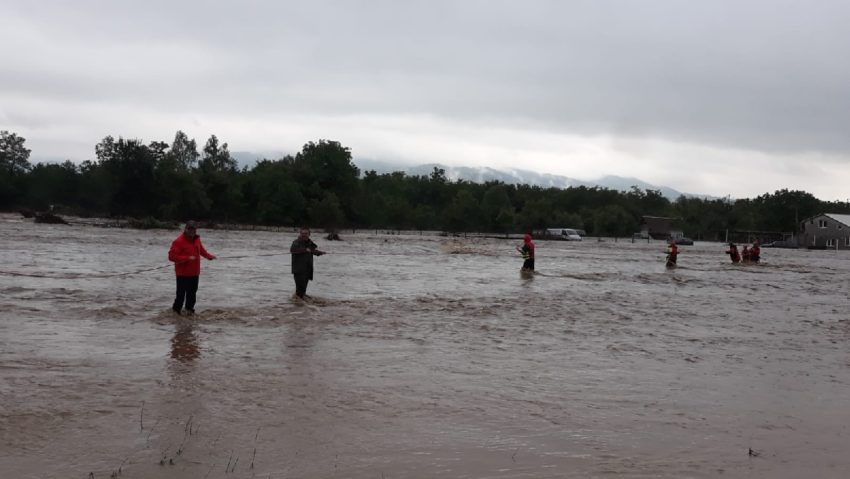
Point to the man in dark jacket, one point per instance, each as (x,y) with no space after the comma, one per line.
(186,252)
(302,250)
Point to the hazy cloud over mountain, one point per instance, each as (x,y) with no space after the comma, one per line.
(518,176)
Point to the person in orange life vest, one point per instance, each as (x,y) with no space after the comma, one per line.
(745,254)
(527,251)
(186,251)
(733,253)
(672,253)
(755,252)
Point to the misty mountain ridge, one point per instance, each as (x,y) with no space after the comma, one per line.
(523,177)
(484,174)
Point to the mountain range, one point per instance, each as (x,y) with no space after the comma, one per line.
(484,174)
(522,177)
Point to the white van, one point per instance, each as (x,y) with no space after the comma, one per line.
(567,234)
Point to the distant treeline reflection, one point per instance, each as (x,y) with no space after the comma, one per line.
(320,186)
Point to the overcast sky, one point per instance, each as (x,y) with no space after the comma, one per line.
(717,97)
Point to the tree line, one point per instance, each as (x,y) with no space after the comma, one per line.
(322,187)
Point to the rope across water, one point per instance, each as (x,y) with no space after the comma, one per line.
(170,265)
(124,273)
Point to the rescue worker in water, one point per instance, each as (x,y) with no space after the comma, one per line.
(527,251)
(186,251)
(755,252)
(303,249)
(672,253)
(733,253)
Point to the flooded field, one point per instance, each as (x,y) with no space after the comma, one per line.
(418,357)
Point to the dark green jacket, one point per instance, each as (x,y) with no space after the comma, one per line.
(302,257)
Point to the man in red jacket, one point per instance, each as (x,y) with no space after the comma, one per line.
(186,251)
(733,253)
(755,252)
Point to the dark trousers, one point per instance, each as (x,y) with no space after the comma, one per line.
(187,286)
(301,281)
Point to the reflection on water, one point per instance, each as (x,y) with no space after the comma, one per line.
(420,356)
(184,344)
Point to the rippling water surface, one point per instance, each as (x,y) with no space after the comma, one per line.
(419,356)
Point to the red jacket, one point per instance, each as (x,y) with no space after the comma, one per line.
(527,247)
(181,249)
(673,250)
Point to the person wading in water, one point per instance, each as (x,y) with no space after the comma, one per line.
(733,253)
(186,251)
(672,253)
(755,252)
(527,251)
(303,250)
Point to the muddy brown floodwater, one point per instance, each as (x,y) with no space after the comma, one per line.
(420,356)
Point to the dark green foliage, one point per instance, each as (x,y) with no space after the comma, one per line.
(53,184)
(129,166)
(463,213)
(614,220)
(326,212)
(321,186)
(497,208)
(271,193)
(14,166)
(184,152)
(13,156)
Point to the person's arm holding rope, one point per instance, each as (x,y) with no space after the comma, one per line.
(303,249)
(314,250)
(309,249)
(204,252)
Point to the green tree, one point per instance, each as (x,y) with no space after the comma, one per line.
(130,166)
(326,166)
(180,195)
(495,203)
(53,184)
(326,212)
(613,220)
(273,194)
(95,188)
(535,215)
(424,217)
(184,151)
(399,213)
(14,166)
(438,175)
(505,220)
(563,219)
(646,202)
(13,156)
(463,213)
(216,157)
(218,176)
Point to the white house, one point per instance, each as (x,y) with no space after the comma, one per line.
(826,230)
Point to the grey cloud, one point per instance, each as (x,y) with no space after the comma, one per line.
(763,75)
